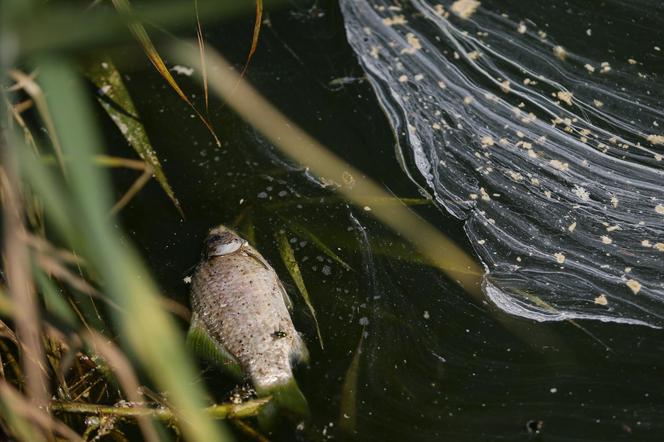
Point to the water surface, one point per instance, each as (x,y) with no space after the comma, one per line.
(434,364)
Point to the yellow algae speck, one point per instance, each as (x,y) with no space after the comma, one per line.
(565,96)
(560,52)
(487,140)
(634,285)
(396,20)
(560,258)
(465,8)
(557,164)
(414,44)
(655,139)
(601,300)
(516,176)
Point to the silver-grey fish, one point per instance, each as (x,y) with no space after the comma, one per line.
(241,319)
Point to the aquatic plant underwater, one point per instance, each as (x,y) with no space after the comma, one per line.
(547,144)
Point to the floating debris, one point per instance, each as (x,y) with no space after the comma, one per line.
(465,8)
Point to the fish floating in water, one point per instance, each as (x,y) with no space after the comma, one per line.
(241,321)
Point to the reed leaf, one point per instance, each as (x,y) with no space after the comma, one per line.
(118,104)
(141,35)
(54,300)
(288,257)
(308,234)
(348,407)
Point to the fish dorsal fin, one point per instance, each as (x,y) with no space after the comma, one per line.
(257,256)
(200,341)
(284,294)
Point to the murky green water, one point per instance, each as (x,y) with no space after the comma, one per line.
(434,364)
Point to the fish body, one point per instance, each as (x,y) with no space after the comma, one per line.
(241,318)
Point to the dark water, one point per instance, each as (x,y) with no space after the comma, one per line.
(434,364)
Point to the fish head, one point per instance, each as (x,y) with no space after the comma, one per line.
(222,241)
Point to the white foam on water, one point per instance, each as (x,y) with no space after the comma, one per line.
(543,147)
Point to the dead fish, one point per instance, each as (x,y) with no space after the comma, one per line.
(241,320)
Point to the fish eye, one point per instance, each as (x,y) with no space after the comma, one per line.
(212,239)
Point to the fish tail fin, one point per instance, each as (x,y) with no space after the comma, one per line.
(287,399)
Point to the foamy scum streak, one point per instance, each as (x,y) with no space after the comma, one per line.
(553,158)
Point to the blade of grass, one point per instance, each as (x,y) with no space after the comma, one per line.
(6,304)
(348,406)
(249,431)
(106,161)
(201,47)
(146,329)
(220,411)
(143,38)
(16,262)
(335,199)
(27,133)
(23,411)
(53,299)
(133,190)
(308,234)
(117,102)
(125,375)
(258,21)
(288,256)
(11,410)
(254,41)
(28,84)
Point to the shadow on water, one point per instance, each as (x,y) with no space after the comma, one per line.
(434,364)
